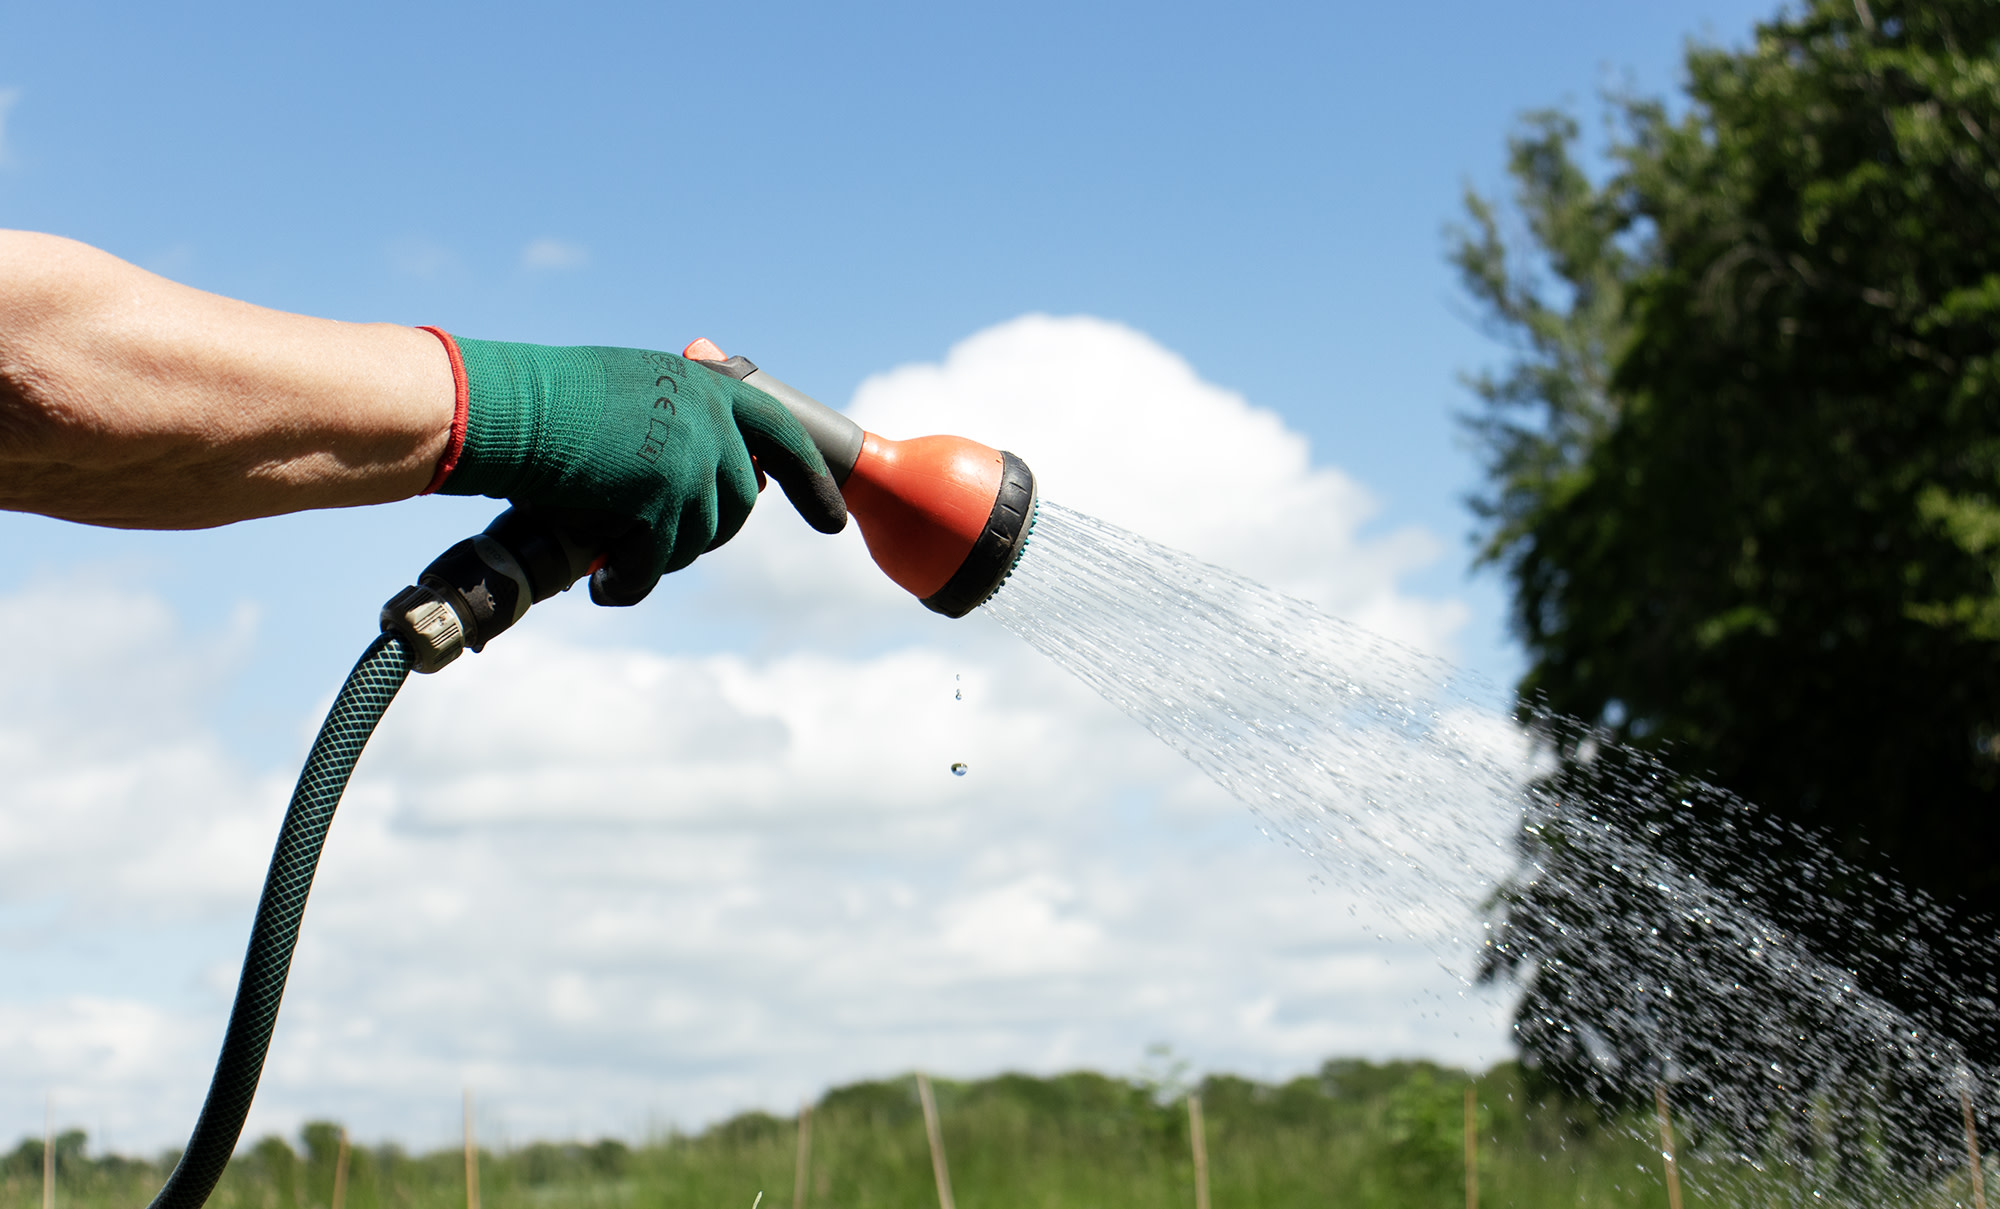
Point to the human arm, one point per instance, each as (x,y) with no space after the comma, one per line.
(132,401)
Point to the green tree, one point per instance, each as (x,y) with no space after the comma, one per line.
(1744,481)
(274,1163)
(1425,1125)
(321,1140)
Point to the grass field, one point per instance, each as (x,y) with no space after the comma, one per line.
(1356,1135)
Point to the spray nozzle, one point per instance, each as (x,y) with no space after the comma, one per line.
(945,517)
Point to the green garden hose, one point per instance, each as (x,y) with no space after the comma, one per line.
(369,689)
(468,594)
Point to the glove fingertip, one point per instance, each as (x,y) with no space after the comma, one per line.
(807,482)
(612,588)
(820,502)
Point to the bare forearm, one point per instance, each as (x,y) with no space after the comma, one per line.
(129,400)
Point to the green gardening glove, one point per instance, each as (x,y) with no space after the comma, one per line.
(655,447)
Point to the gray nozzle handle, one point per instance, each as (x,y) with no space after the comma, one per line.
(837,437)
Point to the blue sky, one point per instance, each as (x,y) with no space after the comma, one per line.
(1259,192)
(844,190)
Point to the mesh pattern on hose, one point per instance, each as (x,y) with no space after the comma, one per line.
(369,689)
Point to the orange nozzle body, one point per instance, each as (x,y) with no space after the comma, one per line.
(945,517)
(922,504)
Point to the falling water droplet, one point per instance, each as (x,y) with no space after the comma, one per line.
(958,770)
(958,695)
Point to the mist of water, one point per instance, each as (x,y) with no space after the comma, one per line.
(1409,782)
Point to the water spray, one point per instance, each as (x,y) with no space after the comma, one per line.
(945,517)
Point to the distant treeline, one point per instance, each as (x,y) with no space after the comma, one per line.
(1356,1134)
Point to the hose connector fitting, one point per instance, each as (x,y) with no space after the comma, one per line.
(428,626)
(478,589)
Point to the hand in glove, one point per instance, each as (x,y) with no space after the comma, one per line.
(657,445)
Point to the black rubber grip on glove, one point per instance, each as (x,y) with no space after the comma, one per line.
(814,494)
(609,584)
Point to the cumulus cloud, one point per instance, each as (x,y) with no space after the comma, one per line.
(554,254)
(613,886)
(105,752)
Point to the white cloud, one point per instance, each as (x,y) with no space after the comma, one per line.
(554,254)
(105,752)
(609,886)
(422,259)
(1022,928)
(8,96)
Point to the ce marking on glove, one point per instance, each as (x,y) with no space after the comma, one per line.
(675,369)
(672,370)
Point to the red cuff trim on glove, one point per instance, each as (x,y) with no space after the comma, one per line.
(448,461)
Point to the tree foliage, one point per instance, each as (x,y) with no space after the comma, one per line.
(1744,466)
